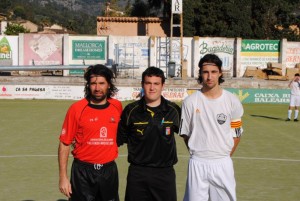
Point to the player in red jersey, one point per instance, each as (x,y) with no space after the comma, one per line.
(90,126)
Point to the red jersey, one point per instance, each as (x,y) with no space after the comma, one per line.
(92,129)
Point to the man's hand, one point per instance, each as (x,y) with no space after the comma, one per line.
(65,187)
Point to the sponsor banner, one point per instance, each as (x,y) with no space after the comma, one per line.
(223,47)
(258,53)
(87,50)
(76,92)
(274,96)
(41,92)
(43,49)
(9,51)
(292,54)
(280,96)
(131,93)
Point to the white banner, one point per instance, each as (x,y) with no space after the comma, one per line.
(77,92)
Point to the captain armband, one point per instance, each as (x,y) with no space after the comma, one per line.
(236,128)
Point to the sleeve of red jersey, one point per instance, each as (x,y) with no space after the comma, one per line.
(69,127)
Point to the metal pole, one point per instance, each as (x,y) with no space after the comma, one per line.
(171,38)
(133,61)
(41,68)
(181,43)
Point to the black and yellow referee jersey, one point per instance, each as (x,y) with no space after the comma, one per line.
(149,133)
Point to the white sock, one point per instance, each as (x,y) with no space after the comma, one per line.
(289,114)
(296,114)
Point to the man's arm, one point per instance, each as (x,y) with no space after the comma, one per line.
(186,140)
(236,142)
(64,183)
(290,83)
(123,129)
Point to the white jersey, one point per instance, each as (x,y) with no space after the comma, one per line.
(207,122)
(295,88)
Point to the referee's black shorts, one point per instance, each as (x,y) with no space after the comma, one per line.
(94,181)
(150,184)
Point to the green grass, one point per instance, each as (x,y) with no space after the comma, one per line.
(267,161)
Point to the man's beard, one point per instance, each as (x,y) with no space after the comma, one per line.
(98,99)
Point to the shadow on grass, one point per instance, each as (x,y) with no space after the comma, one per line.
(267,117)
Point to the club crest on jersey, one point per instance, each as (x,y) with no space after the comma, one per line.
(221,118)
(168,131)
(103,132)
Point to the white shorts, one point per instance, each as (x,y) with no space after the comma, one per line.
(295,101)
(210,179)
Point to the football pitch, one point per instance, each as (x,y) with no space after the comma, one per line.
(267,161)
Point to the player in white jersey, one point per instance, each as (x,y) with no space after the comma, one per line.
(211,128)
(295,97)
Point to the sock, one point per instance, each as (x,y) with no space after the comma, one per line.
(289,114)
(296,114)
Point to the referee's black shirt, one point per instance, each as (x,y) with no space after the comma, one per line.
(149,133)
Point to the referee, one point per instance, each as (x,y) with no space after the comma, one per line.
(148,126)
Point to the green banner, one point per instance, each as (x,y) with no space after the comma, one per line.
(260,45)
(76,72)
(88,49)
(280,96)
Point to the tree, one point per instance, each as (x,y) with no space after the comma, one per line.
(128,8)
(140,9)
(5,5)
(15,29)
(19,12)
(252,19)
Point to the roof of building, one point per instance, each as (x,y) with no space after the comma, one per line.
(130,19)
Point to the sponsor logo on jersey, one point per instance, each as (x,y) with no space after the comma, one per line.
(140,131)
(103,132)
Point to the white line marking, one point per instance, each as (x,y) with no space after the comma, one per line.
(21,156)
(268,159)
(180,156)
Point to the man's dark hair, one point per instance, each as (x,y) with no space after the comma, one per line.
(153,71)
(99,70)
(210,58)
(297,74)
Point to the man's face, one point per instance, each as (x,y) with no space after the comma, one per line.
(210,75)
(297,78)
(153,88)
(99,89)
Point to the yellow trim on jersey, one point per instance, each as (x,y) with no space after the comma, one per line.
(151,112)
(140,123)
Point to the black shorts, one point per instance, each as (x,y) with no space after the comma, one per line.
(150,184)
(94,182)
